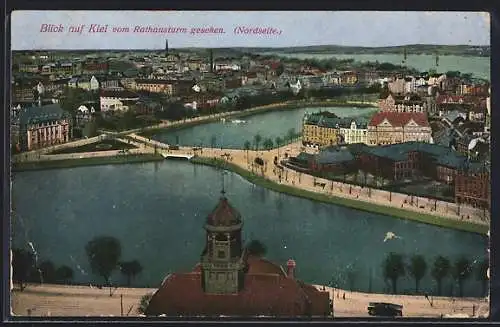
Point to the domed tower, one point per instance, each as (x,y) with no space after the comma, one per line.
(222,262)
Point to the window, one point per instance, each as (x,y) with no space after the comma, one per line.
(221,254)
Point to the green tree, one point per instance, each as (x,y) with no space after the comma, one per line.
(257,248)
(48,271)
(22,263)
(104,253)
(291,134)
(461,272)
(213,141)
(90,129)
(394,268)
(417,269)
(268,144)
(440,271)
(144,303)
(247,147)
(257,139)
(130,269)
(482,275)
(278,141)
(64,274)
(351,277)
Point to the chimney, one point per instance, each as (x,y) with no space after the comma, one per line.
(290,271)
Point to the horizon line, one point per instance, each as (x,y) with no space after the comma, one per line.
(265,47)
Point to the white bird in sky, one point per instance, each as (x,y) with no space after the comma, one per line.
(390,236)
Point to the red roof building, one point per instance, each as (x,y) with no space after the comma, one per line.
(390,127)
(231,282)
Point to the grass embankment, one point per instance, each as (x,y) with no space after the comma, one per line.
(256,111)
(79,162)
(105,145)
(355,204)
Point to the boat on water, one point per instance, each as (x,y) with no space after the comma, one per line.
(237,121)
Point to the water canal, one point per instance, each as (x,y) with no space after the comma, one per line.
(157,211)
(233,135)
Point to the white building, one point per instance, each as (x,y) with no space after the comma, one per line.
(117,100)
(355,133)
(94,84)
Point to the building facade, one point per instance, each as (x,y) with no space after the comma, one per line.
(398,127)
(117,100)
(43,126)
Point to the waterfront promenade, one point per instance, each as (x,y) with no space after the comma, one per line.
(61,300)
(292,178)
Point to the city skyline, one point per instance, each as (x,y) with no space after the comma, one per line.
(433,28)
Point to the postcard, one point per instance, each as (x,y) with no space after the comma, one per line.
(250,164)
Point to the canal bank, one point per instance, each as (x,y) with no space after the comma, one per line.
(289,105)
(152,208)
(350,203)
(85,161)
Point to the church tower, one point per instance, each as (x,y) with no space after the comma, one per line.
(166,47)
(222,261)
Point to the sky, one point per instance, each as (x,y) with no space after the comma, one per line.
(298,28)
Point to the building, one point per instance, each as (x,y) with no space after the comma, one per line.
(154,86)
(43,126)
(398,127)
(473,186)
(407,103)
(354,132)
(411,160)
(321,129)
(117,100)
(229,281)
(334,160)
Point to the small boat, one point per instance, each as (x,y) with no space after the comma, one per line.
(237,121)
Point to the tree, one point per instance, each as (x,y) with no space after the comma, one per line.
(48,271)
(393,269)
(130,269)
(440,270)
(90,129)
(144,303)
(461,272)
(257,139)
(213,141)
(268,144)
(351,277)
(291,134)
(247,147)
(278,141)
(482,275)
(64,274)
(104,253)
(22,264)
(256,248)
(417,269)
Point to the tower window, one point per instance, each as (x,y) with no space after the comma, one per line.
(221,254)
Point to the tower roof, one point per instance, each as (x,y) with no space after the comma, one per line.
(224,214)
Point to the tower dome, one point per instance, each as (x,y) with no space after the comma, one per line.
(224,215)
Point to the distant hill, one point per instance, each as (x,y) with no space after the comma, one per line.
(462,50)
(459,50)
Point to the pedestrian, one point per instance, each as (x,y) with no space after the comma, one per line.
(343,296)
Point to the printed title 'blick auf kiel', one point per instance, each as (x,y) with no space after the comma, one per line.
(98,28)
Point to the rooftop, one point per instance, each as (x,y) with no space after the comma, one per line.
(35,115)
